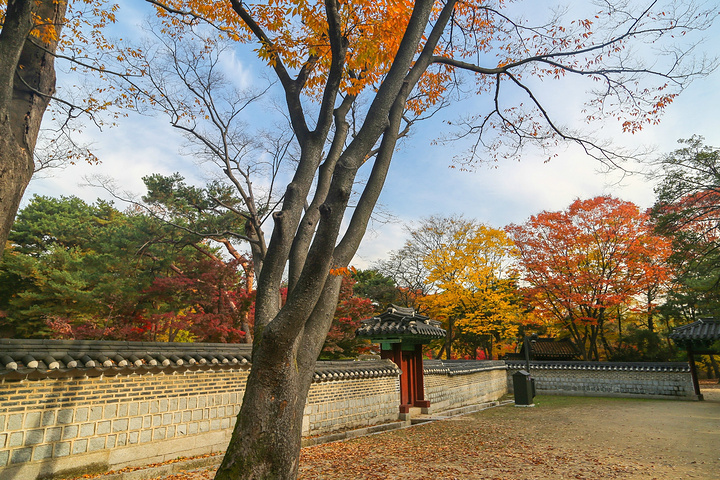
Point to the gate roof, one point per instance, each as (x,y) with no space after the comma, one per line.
(399,322)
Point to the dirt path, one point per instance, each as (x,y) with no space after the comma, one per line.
(561,438)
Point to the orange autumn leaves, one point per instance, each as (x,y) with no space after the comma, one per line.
(295,34)
(575,273)
(591,264)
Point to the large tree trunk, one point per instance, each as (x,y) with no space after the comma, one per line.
(271,412)
(16,169)
(27,80)
(267,436)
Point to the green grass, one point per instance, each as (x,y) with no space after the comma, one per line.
(557,402)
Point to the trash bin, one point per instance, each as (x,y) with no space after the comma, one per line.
(524,388)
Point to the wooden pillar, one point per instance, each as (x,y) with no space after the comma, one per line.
(412,383)
(693,371)
(419,379)
(406,385)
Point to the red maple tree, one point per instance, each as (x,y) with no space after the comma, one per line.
(588,265)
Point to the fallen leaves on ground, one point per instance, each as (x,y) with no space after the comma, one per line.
(561,438)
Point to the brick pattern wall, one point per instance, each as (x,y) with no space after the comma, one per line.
(85,424)
(110,422)
(451,391)
(351,404)
(668,383)
(113,420)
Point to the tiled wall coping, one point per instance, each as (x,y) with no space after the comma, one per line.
(607,366)
(38,359)
(461,367)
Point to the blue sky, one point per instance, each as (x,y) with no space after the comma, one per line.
(421,182)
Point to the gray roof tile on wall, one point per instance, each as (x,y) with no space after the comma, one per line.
(62,355)
(460,367)
(603,366)
(36,359)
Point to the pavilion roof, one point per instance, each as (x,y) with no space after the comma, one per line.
(399,322)
(703,329)
(552,349)
(547,349)
(700,335)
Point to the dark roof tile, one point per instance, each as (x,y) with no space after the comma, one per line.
(460,367)
(400,322)
(705,329)
(603,366)
(38,359)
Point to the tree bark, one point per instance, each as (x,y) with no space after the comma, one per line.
(715,368)
(27,81)
(266,440)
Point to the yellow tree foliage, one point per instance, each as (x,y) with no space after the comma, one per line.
(474,283)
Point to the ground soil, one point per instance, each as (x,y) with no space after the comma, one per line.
(559,438)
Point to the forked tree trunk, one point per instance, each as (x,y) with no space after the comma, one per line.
(267,436)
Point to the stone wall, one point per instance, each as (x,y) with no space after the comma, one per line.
(339,403)
(110,422)
(627,379)
(456,383)
(68,408)
(75,407)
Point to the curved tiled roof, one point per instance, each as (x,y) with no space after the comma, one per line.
(553,349)
(608,366)
(460,367)
(326,371)
(705,329)
(36,359)
(400,322)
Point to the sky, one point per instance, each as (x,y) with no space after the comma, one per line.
(421,181)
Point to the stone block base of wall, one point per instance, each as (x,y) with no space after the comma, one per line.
(51,426)
(636,379)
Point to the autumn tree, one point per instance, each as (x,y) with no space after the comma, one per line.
(475,288)
(214,213)
(70,262)
(407,266)
(376,67)
(78,270)
(34,36)
(27,80)
(457,270)
(183,81)
(587,263)
(202,299)
(203,218)
(341,341)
